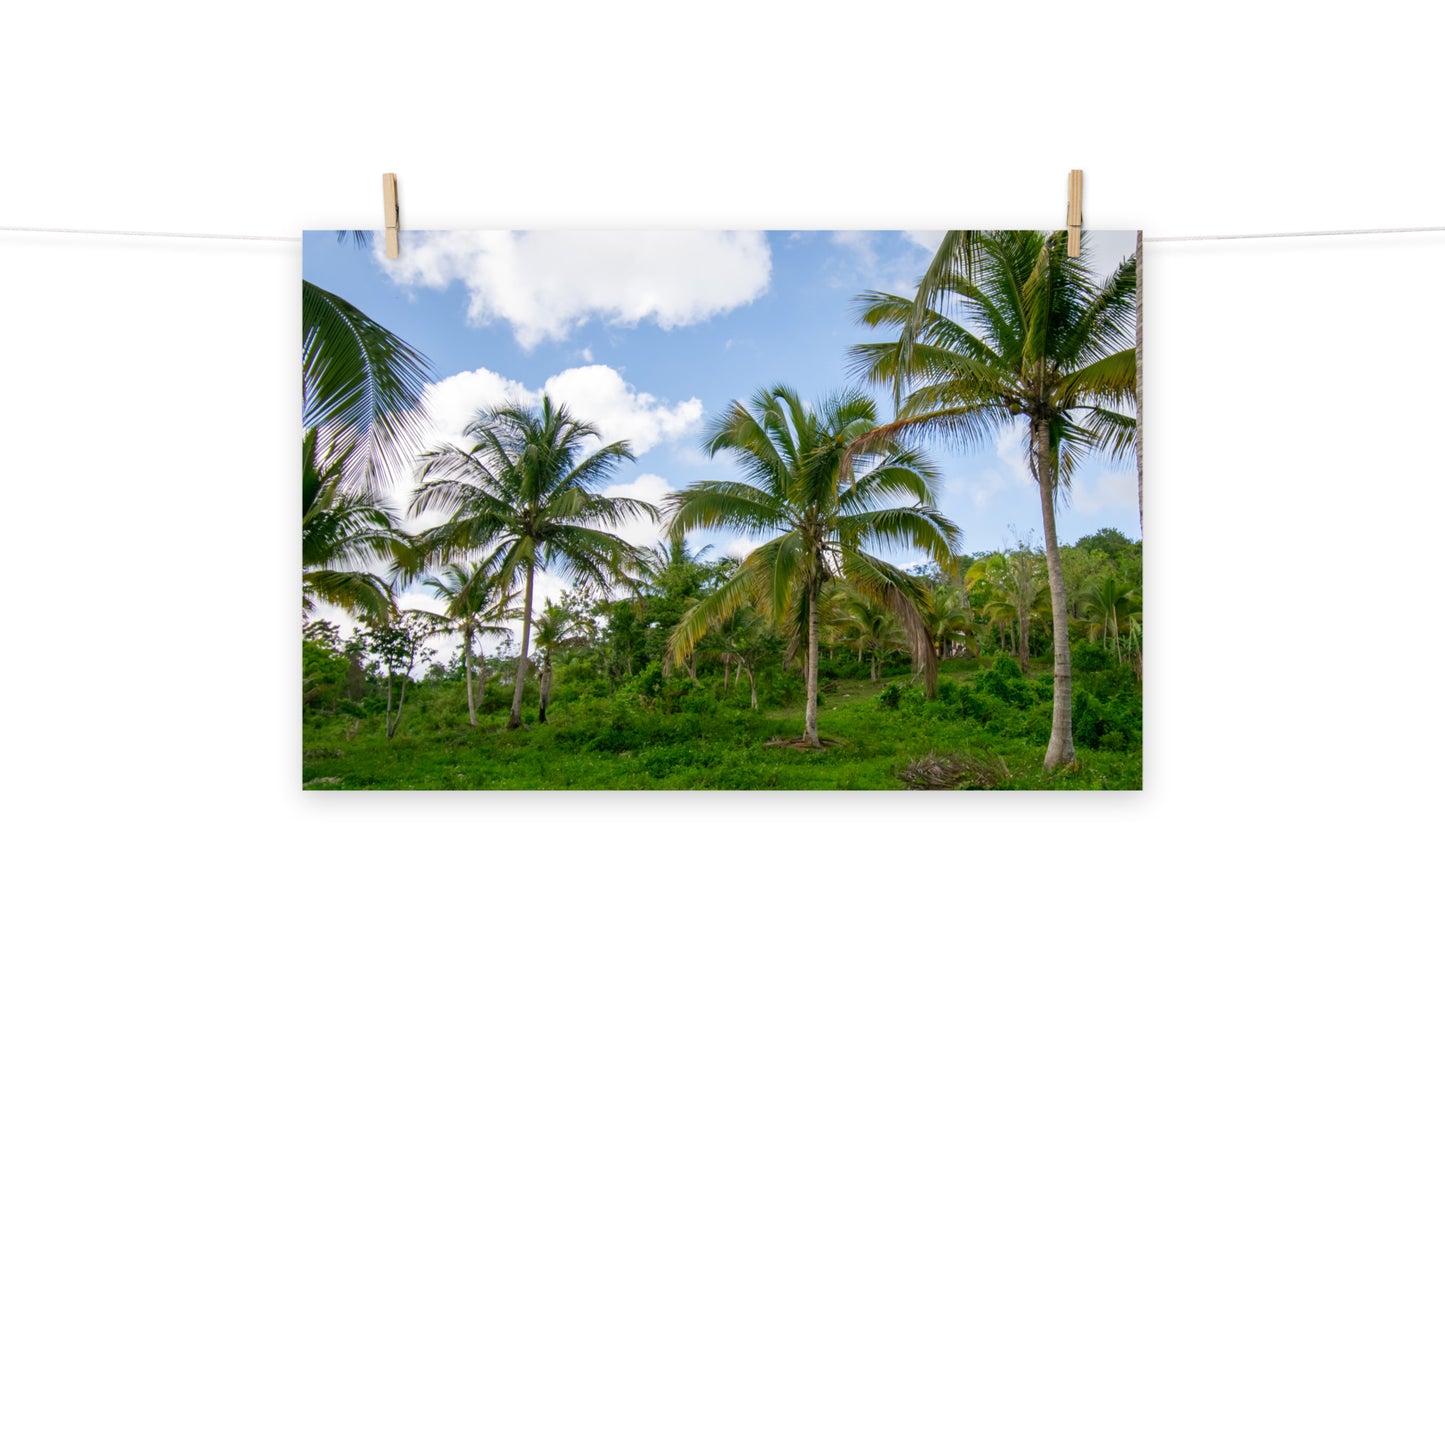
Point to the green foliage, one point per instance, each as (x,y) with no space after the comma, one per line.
(891,696)
(633,740)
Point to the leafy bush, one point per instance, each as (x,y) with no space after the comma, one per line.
(1004,681)
(1111,723)
(1091,657)
(948,692)
(977,704)
(648,682)
(890,697)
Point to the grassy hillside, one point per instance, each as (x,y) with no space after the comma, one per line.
(671,733)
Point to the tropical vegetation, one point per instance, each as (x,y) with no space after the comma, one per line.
(845,639)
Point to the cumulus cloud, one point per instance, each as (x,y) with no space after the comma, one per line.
(597,394)
(641,531)
(545,283)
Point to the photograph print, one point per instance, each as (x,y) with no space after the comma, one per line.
(722,510)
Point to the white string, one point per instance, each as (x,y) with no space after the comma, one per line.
(296,240)
(161,235)
(1293,235)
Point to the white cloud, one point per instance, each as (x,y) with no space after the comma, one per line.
(642,532)
(544,283)
(1110,489)
(597,394)
(600,395)
(928,240)
(1010,470)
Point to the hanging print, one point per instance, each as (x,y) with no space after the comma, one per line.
(721,509)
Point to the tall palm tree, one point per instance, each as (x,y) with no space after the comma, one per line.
(361,389)
(819,497)
(523,491)
(473,607)
(1008,325)
(343,535)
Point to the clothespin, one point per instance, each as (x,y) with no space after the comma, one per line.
(1076,210)
(392,215)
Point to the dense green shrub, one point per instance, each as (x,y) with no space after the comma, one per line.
(890,697)
(1004,681)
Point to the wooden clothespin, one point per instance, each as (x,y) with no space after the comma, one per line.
(392,215)
(1076,210)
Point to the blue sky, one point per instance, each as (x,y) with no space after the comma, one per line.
(651,334)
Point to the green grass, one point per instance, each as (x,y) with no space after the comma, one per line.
(692,738)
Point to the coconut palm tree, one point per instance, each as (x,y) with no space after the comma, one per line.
(554,630)
(1008,326)
(872,627)
(342,536)
(473,607)
(819,497)
(947,615)
(361,389)
(744,641)
(1107,604)
(523,491)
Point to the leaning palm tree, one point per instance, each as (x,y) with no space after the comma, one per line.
(1007,325)
(819,497)
(342,537)
(472,608)
(361,389)
(523,490)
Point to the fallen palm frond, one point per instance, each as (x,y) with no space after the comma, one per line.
(942,771)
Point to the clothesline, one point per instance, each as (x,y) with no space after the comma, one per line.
(296,240)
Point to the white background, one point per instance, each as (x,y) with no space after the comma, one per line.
(694,1119)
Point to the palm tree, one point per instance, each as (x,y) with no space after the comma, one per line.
(341,535)
(554,630)
(1007,325)
(473,607)
(1108,604)
(819,497)
(523,493)
(873,628)
(947,615)
(743,641)
(361,389)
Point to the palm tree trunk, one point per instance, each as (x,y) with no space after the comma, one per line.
(753,688)
(810,715)
(1060,751)
(1139,370)
(481,677)
(515,720)
(544,689)
(467,653)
